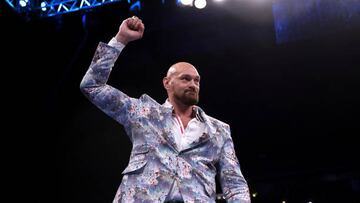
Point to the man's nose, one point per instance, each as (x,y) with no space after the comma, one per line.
(192,83)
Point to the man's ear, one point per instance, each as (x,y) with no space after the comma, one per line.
(166,82)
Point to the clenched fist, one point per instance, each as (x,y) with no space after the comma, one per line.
(130,29)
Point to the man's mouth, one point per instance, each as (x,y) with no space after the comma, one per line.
(191,92)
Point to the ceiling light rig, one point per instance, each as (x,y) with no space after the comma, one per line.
(48,8)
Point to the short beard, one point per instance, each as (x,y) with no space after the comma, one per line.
(189,101)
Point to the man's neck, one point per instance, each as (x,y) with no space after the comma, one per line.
(182,110)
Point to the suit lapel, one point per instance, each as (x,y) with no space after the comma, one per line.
(169,137)
(209,131)
(167,132)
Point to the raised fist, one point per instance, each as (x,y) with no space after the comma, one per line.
(130,29)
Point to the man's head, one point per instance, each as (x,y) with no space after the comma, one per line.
(182,83)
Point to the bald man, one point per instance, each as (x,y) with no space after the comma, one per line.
(177,149)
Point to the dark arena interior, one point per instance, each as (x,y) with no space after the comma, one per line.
(284,74)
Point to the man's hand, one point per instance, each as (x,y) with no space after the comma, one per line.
(130,29)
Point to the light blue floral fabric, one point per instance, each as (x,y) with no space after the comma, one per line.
(155,161)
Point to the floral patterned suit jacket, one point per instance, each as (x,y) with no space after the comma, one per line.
(155,160)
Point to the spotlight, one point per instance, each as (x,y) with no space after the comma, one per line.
(43,6)
(186,2)
(23,3)
(200,4)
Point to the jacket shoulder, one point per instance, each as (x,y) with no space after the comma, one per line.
(144,98)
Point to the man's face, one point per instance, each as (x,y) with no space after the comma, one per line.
(185,85)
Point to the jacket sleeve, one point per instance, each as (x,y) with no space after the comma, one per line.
(233,183)
(110,100)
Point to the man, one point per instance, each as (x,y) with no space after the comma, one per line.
(177,148)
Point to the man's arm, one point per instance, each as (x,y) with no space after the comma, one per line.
(110,100)
(233,183)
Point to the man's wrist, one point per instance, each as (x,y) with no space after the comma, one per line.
(121,39)
(117,44)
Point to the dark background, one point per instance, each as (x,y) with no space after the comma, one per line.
(292,103)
